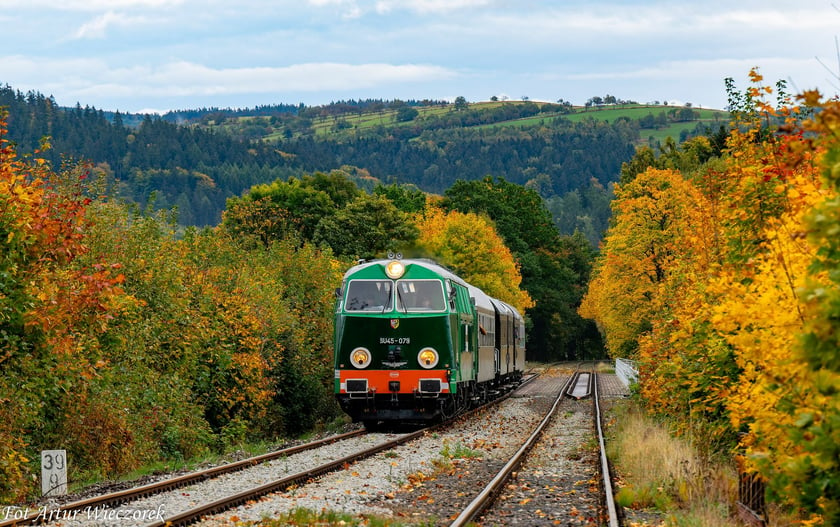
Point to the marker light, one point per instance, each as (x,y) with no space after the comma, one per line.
(428,358)
(394,269)
(360,357)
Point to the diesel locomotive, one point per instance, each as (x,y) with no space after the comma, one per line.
(414,343)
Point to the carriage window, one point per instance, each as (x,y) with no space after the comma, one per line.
(369,296)
(420,296)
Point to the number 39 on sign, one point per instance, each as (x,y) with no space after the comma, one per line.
(53,472)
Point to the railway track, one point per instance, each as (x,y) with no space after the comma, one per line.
(147,504)
(488,495)
(397,476)
(184,500)
(194,514)
(457,493)
(543,493)
(75,509)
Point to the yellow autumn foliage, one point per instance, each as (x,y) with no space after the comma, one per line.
(725,280)
(639,255)
(470,246)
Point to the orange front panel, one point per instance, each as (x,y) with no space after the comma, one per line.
(378,379)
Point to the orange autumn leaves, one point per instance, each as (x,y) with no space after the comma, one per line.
(709,278)
(45,290)
(639,254)
(119,337)
(54,307)
(126,345)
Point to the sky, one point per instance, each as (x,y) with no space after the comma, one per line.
(144,56)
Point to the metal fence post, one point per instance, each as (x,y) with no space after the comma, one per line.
(752,508)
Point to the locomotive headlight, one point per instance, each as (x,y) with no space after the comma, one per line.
(394,269)
(428,358)
(360,357)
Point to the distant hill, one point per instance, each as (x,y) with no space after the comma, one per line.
(195,159)
(342,121)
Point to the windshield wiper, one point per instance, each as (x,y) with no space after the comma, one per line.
(402,303)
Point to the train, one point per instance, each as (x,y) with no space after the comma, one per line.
(415,344)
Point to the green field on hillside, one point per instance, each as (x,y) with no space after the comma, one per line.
(712,118)
(356,124)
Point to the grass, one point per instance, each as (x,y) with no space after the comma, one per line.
(657,471)
(307,517)
(611,113)
(445,463)
(711,118)
(458,451)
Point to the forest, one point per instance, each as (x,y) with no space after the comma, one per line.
(130,339)
(720,275)
(134,336)
(195,160)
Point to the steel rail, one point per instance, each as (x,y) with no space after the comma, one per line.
(489,493)
(218,506)
(124,496)
(189,516)
(612,514)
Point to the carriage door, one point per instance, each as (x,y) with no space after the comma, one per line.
(466,326)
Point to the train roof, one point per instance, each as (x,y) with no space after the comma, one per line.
(505,306)
(481,298)
(428,264)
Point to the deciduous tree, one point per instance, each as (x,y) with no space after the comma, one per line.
(367,227)
(527,229)
(469,245)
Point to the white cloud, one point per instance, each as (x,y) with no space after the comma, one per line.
(98,27)
(227,53)
(384,7)
(184,78)
(89,80)
(89,5)
(428,6)
(348,9)
(770,67)
(669,69)
(332,3)
(691,22)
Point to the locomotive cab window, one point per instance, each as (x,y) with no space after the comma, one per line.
(420,296)
(369,296)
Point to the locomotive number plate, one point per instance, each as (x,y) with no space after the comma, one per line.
(395,340)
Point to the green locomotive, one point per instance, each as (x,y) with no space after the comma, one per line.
(415,343)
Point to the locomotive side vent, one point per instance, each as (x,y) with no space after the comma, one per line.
(430,385)
(357,385)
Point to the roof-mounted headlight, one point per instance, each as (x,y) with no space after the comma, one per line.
(428,358)
(394,269)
